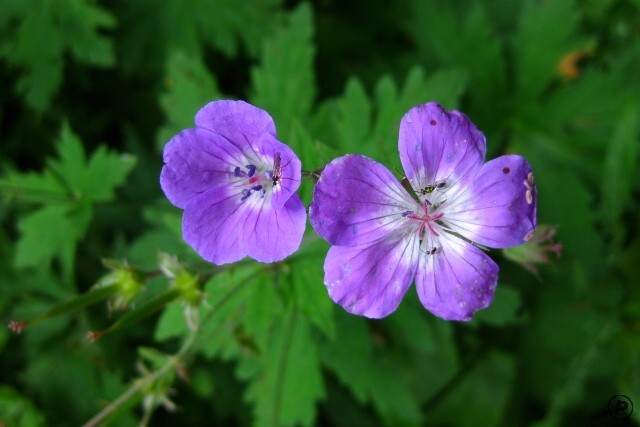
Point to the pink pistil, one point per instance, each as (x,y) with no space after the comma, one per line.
(426,220)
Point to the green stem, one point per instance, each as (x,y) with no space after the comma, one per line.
(142,383)
(93,296)
(145,310)
(173,362)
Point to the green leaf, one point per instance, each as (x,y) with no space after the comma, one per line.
(567,202)
(312,153)
(189,87)
(18,411)
(371,379)
(560,370)
(619,166)
(263,307)
(35,187)
(284,83)
(546,32)
(48,233)
(46,31)
(223,22)
(92,181)
(307,282)
(288,381)
(105,171)
(70,186)
(503,310)
(353,117)
(462,37)
(481,398)
(410,327)
(172,323)
(81,23)
(227,294)
(444,87)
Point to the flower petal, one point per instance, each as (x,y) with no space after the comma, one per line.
(370,280)
(456,281)
(273,234)
(197,160)
(437,146)
(212,225)
(357,201)
(237,121)
(499,208)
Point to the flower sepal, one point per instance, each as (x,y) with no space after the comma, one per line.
(537,249)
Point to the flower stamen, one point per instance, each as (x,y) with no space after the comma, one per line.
(426,221)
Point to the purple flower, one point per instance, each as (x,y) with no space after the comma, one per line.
(236,183)
(383,238)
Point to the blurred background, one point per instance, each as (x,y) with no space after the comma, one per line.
(91,92)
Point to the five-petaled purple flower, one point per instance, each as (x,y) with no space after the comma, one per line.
(383,237)
(236,183)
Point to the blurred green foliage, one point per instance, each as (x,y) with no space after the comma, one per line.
(92,92)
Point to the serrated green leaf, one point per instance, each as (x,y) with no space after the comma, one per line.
(371,379)
(189,87)
(71,163)
(308,286)
(353,117)
(171,323)
(226,296)
(81,23)
(263,307)
(105,172)
(289,380)
(70,185)
(444,87)
(313,155)
(92,181)
(46,31)
(48,233)
(35,187)
(224,22)
(284,83)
